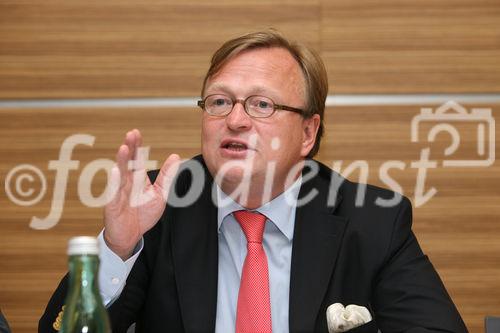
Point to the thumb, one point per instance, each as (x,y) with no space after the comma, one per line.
(167,174)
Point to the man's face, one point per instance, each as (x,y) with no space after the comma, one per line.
(285,138)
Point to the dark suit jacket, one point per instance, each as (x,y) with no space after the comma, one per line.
(341,254)
(4,326)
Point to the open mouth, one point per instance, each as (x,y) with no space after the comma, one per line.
(235,146)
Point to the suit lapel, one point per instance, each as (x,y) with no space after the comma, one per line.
(316,243)
(195,255)
(317,238)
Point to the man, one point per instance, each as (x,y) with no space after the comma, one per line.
(279,239)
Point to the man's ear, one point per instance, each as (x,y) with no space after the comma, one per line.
(310,128)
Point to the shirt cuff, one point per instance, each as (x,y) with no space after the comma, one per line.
(113,271)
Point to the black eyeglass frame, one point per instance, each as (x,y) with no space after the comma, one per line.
(201,104)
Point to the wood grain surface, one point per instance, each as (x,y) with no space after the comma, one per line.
(127,48)
(115,48)
(457,228)
(393,46)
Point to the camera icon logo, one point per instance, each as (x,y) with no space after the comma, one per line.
(453,118)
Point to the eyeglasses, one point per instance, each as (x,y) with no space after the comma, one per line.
(255,106)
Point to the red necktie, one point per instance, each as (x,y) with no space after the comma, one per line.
(253,314)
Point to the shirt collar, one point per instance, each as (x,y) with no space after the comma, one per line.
(279,210)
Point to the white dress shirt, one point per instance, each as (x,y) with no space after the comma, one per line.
(277,242)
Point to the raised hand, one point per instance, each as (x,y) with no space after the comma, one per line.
(137,204)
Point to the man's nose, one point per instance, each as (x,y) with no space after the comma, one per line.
(238,119)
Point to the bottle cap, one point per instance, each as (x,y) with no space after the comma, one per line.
(83,245)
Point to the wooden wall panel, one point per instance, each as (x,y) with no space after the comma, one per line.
(60,49)
(393,46)
(56,48)
(458,228)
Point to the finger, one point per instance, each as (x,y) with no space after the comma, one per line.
(138,167)
(114,184)
(142,155)
(167,174)
(138,137)
(137,142)
(130,143)
(122,160)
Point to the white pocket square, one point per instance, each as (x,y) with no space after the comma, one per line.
(342,319)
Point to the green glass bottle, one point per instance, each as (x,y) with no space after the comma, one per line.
(84,311)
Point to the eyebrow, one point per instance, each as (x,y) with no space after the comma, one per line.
(258,90)
(217,86)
